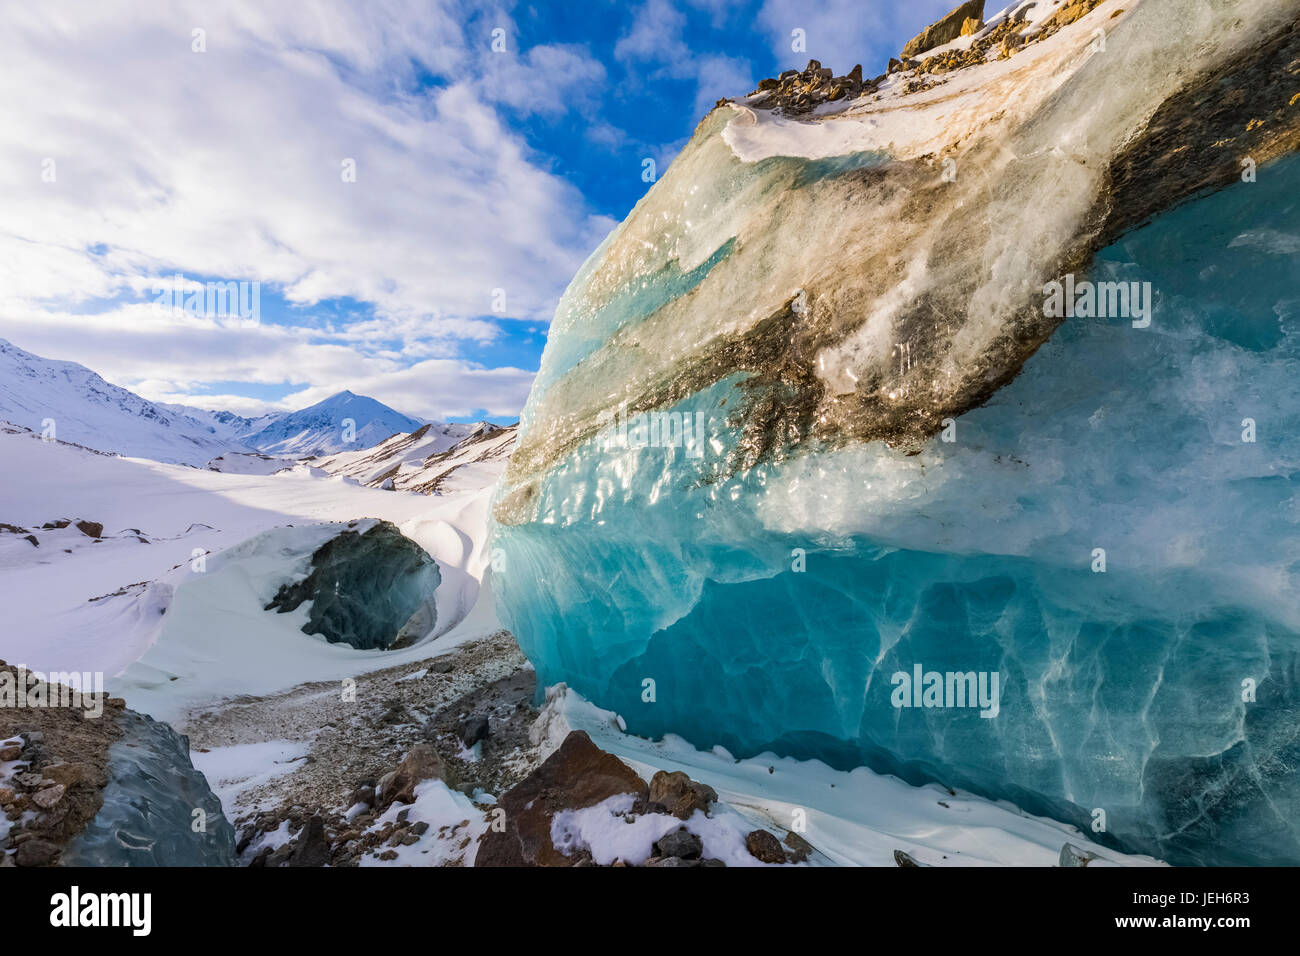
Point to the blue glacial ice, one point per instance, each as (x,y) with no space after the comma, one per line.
(1120,691)
(1114,531)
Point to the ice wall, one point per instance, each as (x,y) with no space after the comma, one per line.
(802,425)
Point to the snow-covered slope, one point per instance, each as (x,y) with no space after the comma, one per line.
(76,405)
(250,463)
(174,582)
(341,422)
(433,459)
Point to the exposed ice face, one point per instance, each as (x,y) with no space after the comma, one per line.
(151,806)
(870,290)
(766,593)
(1120,691)
(370,589)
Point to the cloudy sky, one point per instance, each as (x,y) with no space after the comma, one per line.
(411,200)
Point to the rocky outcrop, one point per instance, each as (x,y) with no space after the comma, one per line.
(420,763)
(579,774)
(800,92)
(413,462)
(1066,15)
(57,782)
(370,589)
(946,29)
(91,783)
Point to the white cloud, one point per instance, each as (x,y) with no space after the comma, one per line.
(228,163)
(169,357)
(660,38)
(841,33)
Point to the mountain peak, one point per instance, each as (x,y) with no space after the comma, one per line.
(343,422)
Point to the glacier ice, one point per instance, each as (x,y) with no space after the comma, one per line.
(762,595)
(150,808)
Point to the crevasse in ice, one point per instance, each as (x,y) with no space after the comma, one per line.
(1114,532)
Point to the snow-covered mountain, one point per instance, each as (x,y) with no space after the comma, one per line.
(227,425)
(86,410)
(433,459)
(342,422)
(70,402)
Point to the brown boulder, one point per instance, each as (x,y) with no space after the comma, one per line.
(420,763)
(47,798)
(36,853)
(92,529)
(765,847)
(680,795)
(944,30)
(579,774)
(71,774)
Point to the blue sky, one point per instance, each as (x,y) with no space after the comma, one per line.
(212,142)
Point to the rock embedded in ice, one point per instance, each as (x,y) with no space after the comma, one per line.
(370,589)
(902,461)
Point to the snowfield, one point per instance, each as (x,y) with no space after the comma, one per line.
(187,560)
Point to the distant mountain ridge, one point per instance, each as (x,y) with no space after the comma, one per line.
(344,421)
(432,459)
(82,408)
(87,410)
